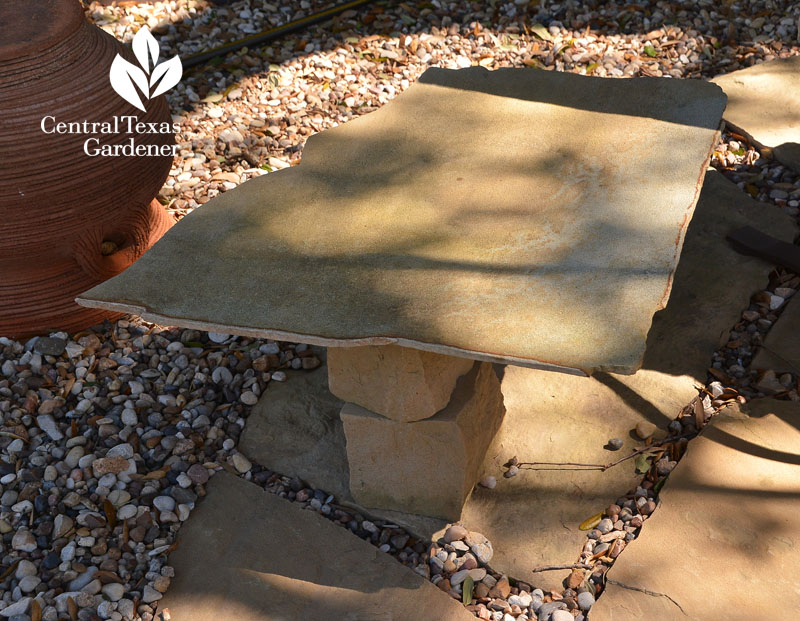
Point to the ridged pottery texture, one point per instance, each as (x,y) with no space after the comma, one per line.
(58,205)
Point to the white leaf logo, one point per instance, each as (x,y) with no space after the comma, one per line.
(125,77)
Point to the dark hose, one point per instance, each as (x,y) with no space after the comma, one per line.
(265,36)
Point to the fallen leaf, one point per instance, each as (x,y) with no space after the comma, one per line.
(541,32)
(466,590)
(642,463)
(590,523)
(650,51)
(36,611)
(111,513)
(9,570)
(106,576)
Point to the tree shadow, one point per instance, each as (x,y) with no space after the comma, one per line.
(416,220)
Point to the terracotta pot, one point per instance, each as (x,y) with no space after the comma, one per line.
(68,220)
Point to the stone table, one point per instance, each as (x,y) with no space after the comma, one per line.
(514,216)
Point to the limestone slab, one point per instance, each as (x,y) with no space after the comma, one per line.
(781,349)
(400,383)
(295,430)
(763,103)
(248,554)
(428,466)
(531,217)
(725,540)
(533,518)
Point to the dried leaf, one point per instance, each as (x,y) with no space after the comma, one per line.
(541,32)
(173,547)
(36,611)
(720,375)
(699,413)
(9,570)
(590,523)
(72,607)
(659,484)
(105,576)
(111,513)
(466,590)
(16,436)
(154,475)
(642,463)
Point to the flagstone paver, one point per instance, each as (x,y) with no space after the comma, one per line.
(763,105)
(713,282)
(781,349)
(725,540)
(545,208)
(247,554)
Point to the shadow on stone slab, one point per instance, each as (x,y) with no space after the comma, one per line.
(713,282)
(296,431)
(414,224)
(725,539)
(532,519)
(246,554)
(788,154)
(781,349)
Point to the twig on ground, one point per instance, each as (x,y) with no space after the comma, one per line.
(564,465)
(557,567)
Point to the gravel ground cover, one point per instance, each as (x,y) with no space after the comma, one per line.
(109,436)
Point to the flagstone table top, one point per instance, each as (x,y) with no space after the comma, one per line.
(523,216)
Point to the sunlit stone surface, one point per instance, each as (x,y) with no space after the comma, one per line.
(525,216)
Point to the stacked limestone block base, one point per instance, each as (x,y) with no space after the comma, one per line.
(422,450)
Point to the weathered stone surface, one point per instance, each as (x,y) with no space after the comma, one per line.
(533,518)
(247,554)
(713,282)
(428,466)
(295,430)
(732,510)
(781,351)
(763,103)
(788,154)
(433,215)
(400,383)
